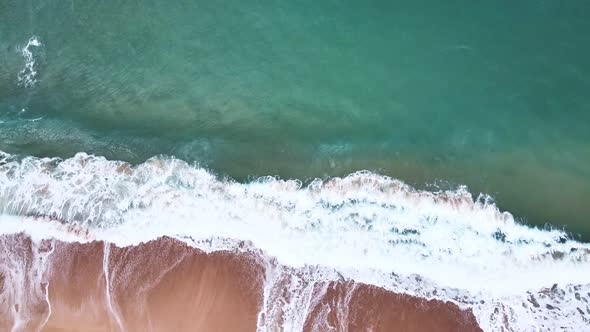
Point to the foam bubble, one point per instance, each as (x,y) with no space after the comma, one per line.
(27,76)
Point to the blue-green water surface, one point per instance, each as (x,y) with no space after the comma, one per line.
(491,94)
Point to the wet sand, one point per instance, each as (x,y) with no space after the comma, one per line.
(166,285)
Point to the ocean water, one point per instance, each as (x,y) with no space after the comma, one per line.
(493,96)
(447,140)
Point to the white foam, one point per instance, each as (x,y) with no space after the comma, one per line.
(105,267)
(21,269)
(27,76)
(366,227)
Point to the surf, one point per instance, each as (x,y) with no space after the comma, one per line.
(367,228)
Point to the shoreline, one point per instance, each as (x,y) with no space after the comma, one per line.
(165,284)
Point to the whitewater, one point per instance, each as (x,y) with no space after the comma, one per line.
(365,227)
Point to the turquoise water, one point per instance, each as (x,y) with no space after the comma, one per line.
(493,95)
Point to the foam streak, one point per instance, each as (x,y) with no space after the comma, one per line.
(105,266)
(27,76)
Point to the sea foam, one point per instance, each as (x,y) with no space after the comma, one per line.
(27,77)
(366,227)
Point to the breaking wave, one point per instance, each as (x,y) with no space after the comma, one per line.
(366,228)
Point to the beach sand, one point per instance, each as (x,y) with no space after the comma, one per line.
(166,285)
